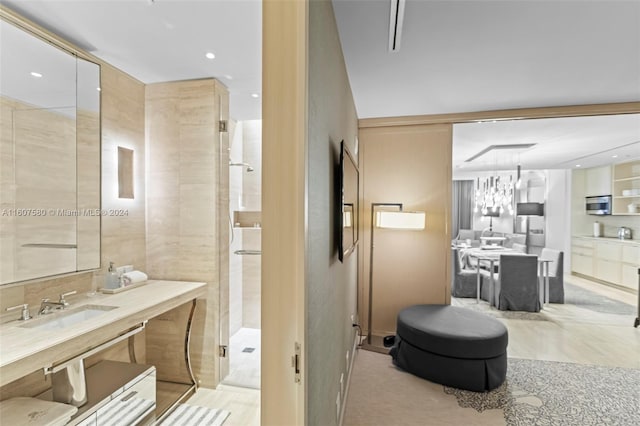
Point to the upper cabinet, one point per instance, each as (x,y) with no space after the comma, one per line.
(626,188)
(598,181)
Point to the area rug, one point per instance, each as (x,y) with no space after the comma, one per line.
(484,308)
(587,299)
(191,415)
(536,393)
(559,393)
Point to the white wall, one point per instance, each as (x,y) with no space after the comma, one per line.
(558,213)
(245,189)
(251,238)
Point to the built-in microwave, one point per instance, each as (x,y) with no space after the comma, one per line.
(600,205)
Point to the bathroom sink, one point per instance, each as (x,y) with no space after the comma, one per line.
(63,319)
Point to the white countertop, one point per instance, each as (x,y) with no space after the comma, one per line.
(24,350)
(608,239)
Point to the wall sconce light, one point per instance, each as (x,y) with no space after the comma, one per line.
(347,215)
(397,219)
(400,220)
(125,173)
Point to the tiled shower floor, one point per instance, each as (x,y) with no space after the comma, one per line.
(244,359)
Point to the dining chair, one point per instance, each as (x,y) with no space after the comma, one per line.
(517,287)
(556,274)
(463,281)
(519,247)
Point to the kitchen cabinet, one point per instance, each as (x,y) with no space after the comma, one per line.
(630,265)
(606,259)
(582,256)
(608,265)
(626,188)
(598,181)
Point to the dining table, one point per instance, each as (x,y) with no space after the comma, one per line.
(490,256)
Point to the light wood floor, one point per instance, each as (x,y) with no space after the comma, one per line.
(579,335)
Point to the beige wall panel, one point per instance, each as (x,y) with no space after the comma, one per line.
(183,229)
(165,336)
(123,236)
(508,114)
(30,385)
(284,140)
(120,351)
(409,165)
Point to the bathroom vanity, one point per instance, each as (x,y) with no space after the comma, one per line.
(93,324)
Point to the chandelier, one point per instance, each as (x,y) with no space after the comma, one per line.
(493,195)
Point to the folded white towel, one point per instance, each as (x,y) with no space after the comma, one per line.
(133,277)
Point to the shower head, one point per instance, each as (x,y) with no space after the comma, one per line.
(247,165)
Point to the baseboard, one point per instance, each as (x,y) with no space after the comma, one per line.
(346,387)
(607,283)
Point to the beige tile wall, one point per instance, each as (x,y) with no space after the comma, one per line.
(183,225)
(39,172)
(123,115)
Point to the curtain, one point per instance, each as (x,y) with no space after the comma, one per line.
(462,209)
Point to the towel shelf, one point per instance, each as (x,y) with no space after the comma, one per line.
(248,252)
(49,245)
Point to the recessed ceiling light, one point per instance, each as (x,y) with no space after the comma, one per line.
(578,165)
(36,74)
(255,95)
(228,77)
(210,55)
(614,156)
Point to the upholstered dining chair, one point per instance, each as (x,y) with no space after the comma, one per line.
(463,281)
(517,287)
(556,272)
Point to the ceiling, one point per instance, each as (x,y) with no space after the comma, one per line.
(558,143)
(166,40)
(454,56)
(479,55)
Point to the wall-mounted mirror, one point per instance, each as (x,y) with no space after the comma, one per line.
(49,159)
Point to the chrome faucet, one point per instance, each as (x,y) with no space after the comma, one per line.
(24,314)
(47,306)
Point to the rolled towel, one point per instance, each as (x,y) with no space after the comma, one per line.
(133,277)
